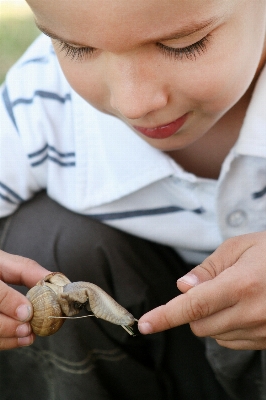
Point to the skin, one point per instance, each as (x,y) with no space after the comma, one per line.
(15,309)
(224,297)
(123,71)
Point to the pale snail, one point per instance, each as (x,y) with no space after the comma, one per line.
(56,298)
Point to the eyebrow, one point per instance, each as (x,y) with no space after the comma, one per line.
(181,33)
(53,35)
(190,29)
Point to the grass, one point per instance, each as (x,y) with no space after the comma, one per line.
(17,31)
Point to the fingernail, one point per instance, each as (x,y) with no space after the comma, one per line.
(25,341)
(189,279)
(145,328)
(23,312)
(23,330)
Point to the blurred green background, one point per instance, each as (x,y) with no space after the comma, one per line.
(17,31)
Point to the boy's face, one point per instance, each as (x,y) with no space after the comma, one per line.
(158,62)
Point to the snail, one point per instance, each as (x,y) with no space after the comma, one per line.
(56,298)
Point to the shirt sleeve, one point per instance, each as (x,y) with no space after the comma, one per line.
(37,140)
(22,124)
(17,183)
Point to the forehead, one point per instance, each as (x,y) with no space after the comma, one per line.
(99,23)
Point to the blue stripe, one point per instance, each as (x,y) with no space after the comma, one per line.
(38,152)
(7,199)
(47,157)
(67,164)
(9,107)
(43,94)
(35,164)
(143,213)
(10,191)
(71,154)
(52,148)
(259,194)
(38,93)
(40,60)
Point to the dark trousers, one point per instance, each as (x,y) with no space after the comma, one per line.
(91,358)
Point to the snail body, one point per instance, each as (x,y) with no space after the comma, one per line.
(55,298)
(98,301)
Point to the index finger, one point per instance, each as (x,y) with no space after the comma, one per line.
(199,302)
(19,271)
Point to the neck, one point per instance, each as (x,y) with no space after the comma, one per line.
(204,157)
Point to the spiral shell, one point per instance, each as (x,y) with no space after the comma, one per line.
(45,305)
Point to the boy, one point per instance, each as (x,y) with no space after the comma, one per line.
(154,124)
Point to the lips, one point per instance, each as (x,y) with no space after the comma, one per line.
(163,131)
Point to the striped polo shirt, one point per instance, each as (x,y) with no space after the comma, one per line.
(95,165)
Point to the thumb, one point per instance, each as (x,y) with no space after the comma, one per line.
(13,304)
(202,273)
(222,258)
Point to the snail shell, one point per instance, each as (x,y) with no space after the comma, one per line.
(45,304)
(55,298)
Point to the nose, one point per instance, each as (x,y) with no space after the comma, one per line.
(135,86)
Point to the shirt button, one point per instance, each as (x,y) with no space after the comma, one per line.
(236,218)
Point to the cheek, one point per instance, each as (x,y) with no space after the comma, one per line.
(223,75)
(86,82)
(217,88)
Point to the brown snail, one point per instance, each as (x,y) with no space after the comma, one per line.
(56,298)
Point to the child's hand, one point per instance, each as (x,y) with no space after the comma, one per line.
(225,296)
(15,309)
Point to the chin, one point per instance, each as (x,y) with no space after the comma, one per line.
(170,144)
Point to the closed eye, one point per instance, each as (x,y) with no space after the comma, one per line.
(73,52)
(190,52)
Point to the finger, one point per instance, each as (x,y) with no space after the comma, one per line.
(226,255)
(14,304)
(257,333)
(245,314)
(20,270)
(7,344)
(243,344)
(9,328)
(199,302)
(229,322)
(237,335)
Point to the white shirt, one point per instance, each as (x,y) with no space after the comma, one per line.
(94,164)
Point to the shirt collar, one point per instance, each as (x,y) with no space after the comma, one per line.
(252,138)
(112,161)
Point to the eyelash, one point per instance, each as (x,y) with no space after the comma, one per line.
(75,53)
(190,52)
